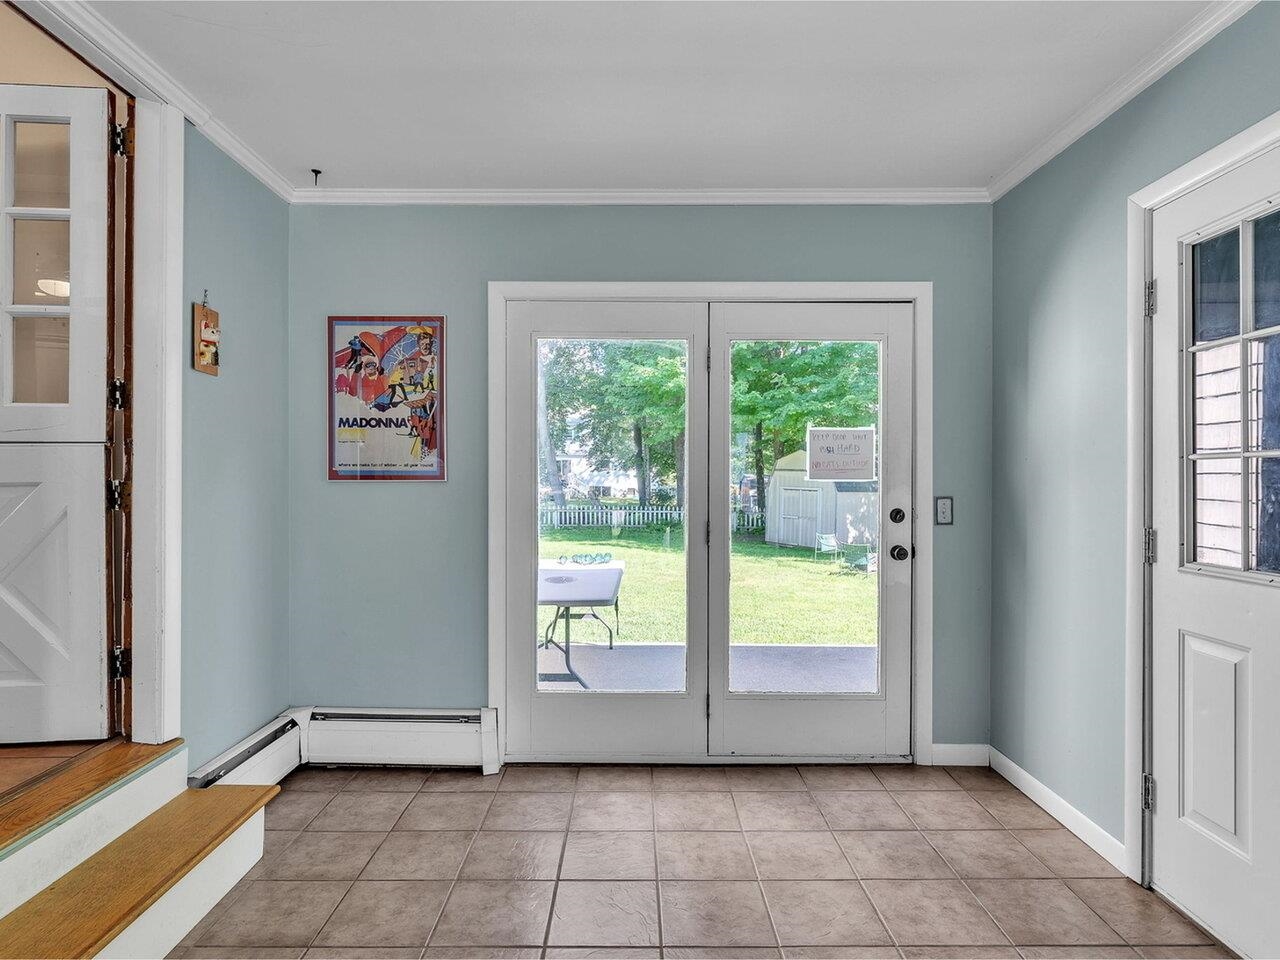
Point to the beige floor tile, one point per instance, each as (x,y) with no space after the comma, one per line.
(461,781)
(445,811)
(495,913)
(609,855)
(1109,952)
(1184,953)
(603,953)
(482,953)
(419,855)
(274,843)
(294,809)
(385,913)
(823,912)
(361,810)
(979,778)
(708,913)
(933,913)
(612,811)
(1065,854)
(1139,915)
(528,811)
(1014,811)
(764,778)
(835,776)
(276,913)
(840,953)
(960,953)
(241,953)
(704,855)
(798,855)
(615,779)
(321,779)
(722,953)
(690,779)
(605,913)
(991,854)
(324,856)
(388,779)
(209,919)
(893,855)
(1042,912)
(540,778)
(906,776)
(363,953)
(695,811)
(513,855)
(944,810)
(778,811)
(862,810)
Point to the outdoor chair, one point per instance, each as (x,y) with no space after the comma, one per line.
(827,544)
(859,558)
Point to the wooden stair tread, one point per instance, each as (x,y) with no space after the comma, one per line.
(81,778)
(84,910)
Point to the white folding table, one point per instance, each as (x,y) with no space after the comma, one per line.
(566,585)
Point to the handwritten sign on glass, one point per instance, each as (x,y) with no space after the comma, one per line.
(841,453)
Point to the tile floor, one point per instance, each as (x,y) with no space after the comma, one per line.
(781,861)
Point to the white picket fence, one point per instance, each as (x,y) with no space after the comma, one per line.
(605,516)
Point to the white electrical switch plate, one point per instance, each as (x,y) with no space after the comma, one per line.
(942,511)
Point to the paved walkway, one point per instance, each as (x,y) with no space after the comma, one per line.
(755,667)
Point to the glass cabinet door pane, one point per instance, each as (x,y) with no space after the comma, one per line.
(41,262)
(1266,271)
(1217,398)
(1215,283)
(1218,512)
(41,165)
(41,359)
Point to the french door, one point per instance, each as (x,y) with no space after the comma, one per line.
(1215,632)
(708,527)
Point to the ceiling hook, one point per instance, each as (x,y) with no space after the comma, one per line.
(316,174)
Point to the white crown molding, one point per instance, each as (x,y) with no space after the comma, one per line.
(1172,52)
(928,195)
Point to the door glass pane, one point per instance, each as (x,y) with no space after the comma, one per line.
(1217,397)
(1264,394)
(803,567)
(41,165)
(42,262)
(41,359)
(1266,271)
(611,423)
(1218,512)
(1215,282)
(1264,513)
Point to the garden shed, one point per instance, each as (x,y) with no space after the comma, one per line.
(798,509)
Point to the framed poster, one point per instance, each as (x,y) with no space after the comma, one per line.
(386,398)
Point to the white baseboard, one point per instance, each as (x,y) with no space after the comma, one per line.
(162,926)
(961,754)
(33,863)
(264,757)
(467,738)
(1103,843)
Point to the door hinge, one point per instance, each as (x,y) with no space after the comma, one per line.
(121,663)
(1149,545)
(1148,792)
(1149,299)
(708,533)
(708,706)
(708,359)
(117,491)
(117,394)
(121,140)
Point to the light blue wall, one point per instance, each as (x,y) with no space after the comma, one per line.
(1059,414)
(234,457)
(388,580)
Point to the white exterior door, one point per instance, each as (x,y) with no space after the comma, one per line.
(810,645)
(1216,581)
(53,413)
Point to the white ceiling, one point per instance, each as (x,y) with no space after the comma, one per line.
(656,96)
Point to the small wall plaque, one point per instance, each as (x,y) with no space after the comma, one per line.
(205,337)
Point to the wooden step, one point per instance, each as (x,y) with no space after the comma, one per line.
(83,911)
(48,798)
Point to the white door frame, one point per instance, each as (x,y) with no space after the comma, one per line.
(1245,146)
(920,293)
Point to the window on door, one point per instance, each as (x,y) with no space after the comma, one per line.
(1232,450)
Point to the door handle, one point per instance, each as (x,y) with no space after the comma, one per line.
(899,552)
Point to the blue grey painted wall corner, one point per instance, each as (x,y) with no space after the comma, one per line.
(234,457)
(388,580)
(1059,414)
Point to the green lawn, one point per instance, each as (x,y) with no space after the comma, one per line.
(778,595)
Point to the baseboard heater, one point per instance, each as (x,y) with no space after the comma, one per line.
(462,738)
(263,757)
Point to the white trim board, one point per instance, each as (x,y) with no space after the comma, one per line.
(1103,843)
(961,755)
(1243,147)
(85,31)
(921,293)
